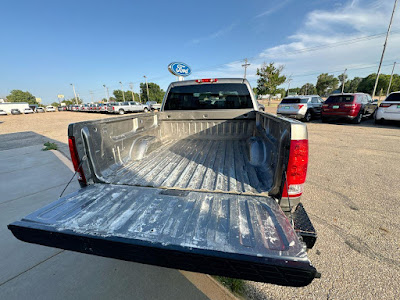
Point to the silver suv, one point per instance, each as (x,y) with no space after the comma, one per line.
(301,107)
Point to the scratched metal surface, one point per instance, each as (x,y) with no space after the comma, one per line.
(230,223)
(199,164)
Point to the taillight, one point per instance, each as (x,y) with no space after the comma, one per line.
(113,108)
(207,80)
(297,168)
(75,160)
(385,105)
(300,106)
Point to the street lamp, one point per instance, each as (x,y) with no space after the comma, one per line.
(106,92)
(76,101)
(122,87)
(147,86)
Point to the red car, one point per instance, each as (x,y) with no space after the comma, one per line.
(353,107)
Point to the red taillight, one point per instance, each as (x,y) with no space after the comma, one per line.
(300,105)
(75,160)
(207,80)
(385,105)
(350,105)
(297,168)
(113,108)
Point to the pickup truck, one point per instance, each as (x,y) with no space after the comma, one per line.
(210,184)
(124,107)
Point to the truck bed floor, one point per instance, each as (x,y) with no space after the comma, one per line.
(198,164)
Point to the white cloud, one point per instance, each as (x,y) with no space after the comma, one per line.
(317,46)
(275,7)
(214,35)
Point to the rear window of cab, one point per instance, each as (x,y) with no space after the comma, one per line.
(340,99)
(294,100)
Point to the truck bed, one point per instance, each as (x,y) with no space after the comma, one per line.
(198,164)
(232,235)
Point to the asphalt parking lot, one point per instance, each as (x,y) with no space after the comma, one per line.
(351,195)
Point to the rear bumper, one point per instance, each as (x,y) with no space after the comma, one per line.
(337,117)
(294,116)
(383,115)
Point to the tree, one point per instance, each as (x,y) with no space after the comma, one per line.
(156,93)
(326,84)
(351,86)
(128,96)
(367,84)
(308,89)
(20,96)
(72,101)
(293,91)
(269,79)
(55,104)
(342,78)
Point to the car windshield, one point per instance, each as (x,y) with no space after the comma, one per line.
(294,100)
(209,96)
(340,99)
(393,97)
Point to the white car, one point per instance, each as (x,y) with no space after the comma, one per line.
(389,109)
(50,108)
(27,111)
(2,113)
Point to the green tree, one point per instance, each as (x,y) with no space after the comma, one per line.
(156,93)
(342,78)
(269,79)
(351,86)
(326,84)
(367,84)
(293,91)
(308,89)
(128,96)
(72,101)
(55,104)
(21,96)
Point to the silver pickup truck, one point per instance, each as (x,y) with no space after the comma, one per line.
(210,184)
(125,107)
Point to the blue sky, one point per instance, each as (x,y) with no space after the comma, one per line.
(46,45)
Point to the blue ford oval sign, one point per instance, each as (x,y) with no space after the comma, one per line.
(179,69)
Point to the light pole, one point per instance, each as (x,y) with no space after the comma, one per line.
(123,93)
(107,94)
(147,86)
(245,65)
(344,78)
(384,48)
(76,101)
(391,77)
(133,95)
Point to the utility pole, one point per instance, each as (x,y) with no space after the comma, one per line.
(384,48)
(122,88)
(147,86)
(91,96)
(133,95)
(79,99)
(106,92)
(390,82)
(288,88)
(76,101)
(245,65)
(344,79)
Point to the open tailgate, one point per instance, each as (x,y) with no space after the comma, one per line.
(230,235)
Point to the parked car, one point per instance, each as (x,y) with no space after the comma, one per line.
(353,107)
(124,107)
(28,111)
(389,109)
(40,110)
(50,108)
(15,111)
(2,113)
(301,107)
(153,105)
(104,107)
(188,189)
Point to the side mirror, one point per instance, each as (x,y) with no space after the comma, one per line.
(375,101)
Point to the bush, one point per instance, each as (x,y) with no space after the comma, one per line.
(49,146)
